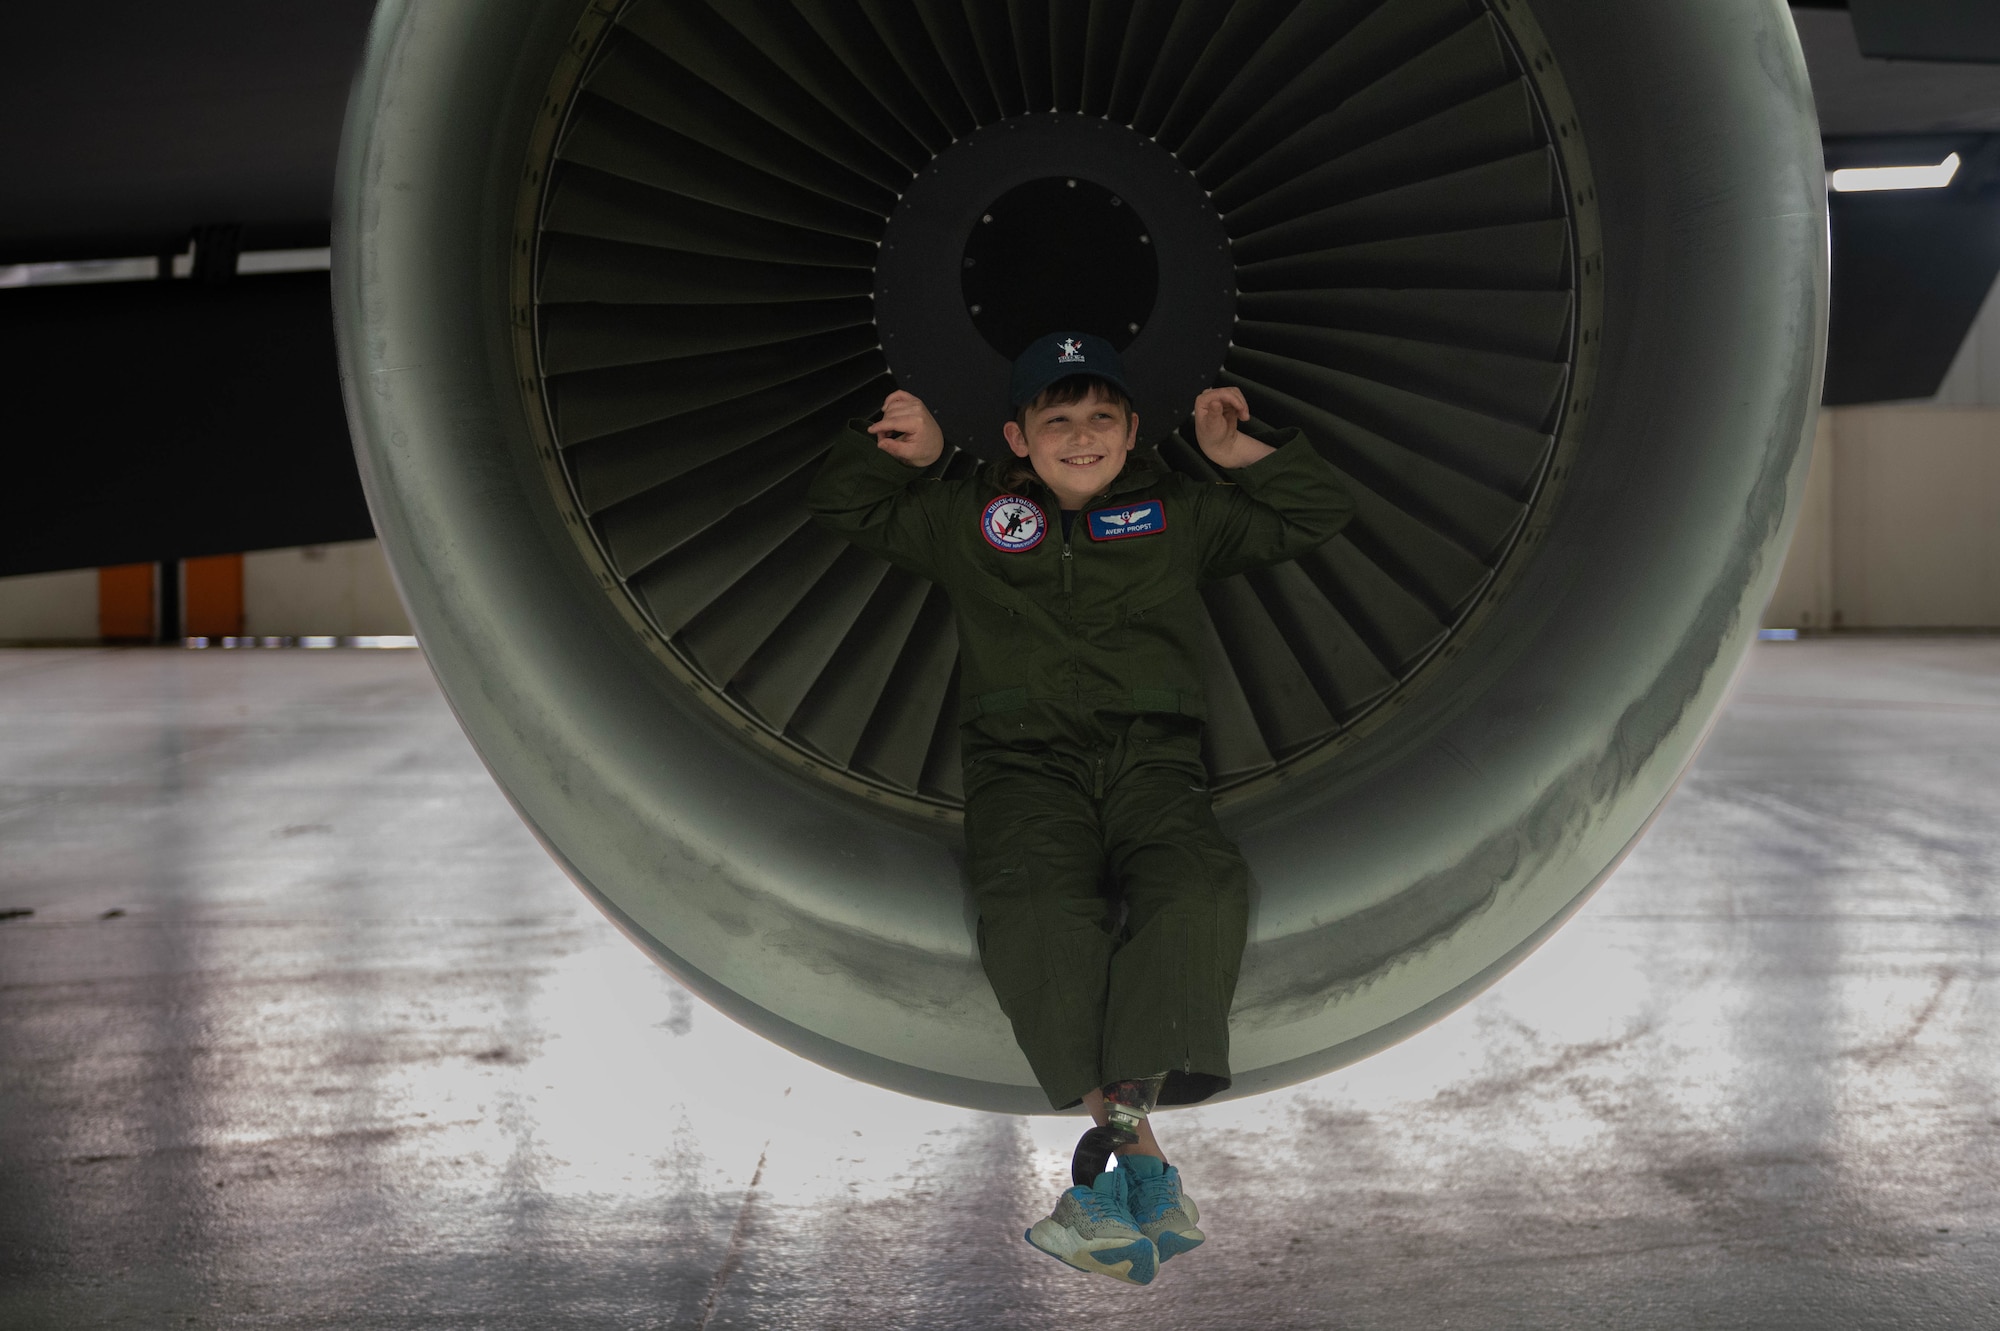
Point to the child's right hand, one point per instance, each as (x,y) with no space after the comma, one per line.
(907,431)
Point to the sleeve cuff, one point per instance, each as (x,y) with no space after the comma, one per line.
(869,454)
(1273,435)
(1289,443)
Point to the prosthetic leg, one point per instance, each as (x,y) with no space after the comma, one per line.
(1126,1104)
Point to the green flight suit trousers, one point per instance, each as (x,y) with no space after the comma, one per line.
(1063,838)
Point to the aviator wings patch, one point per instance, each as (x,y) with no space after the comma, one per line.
(1148,517)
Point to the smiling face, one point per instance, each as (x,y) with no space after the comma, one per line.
(1077,448)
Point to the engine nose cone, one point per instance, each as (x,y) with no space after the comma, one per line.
(1044,222)
(1059,252)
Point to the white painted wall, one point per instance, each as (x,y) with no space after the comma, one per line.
(337,590)
(49,607)
(1916,517)
(1901,522)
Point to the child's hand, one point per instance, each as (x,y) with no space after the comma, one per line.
(907,431)
(1216,415)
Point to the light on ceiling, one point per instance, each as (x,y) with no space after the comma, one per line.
(1853,179)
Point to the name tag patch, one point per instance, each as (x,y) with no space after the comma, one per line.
(1148,517)
(1013,524)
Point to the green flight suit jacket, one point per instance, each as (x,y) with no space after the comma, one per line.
(1057,633)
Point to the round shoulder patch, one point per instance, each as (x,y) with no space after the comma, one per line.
(1012,523)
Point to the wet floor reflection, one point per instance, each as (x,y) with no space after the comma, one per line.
(355,1054)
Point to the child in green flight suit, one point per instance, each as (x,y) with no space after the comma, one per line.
(1072,568)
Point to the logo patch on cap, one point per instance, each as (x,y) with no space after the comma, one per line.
(1013,524)
(1072,352)
(1148,517)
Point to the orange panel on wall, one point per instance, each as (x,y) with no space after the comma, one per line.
(213,596)
(125,603)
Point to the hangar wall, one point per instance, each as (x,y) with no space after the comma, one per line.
(342,589)
(49,607)
(1898,528)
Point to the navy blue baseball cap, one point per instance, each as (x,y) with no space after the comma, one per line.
(1063,356)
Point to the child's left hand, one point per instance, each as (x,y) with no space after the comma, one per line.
(1216,415)
(907,431)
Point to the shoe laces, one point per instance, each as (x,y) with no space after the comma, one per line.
(1097,1205)
(1151,1196)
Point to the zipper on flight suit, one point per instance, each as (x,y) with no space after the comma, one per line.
(1066,564)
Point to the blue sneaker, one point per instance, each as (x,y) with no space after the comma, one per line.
(1092,1229)
(1165,1214)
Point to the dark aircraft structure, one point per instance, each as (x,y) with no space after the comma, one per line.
(1547,280)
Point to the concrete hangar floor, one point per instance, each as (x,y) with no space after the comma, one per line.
(304,1030)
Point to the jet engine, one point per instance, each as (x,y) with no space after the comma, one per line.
(1544,279)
